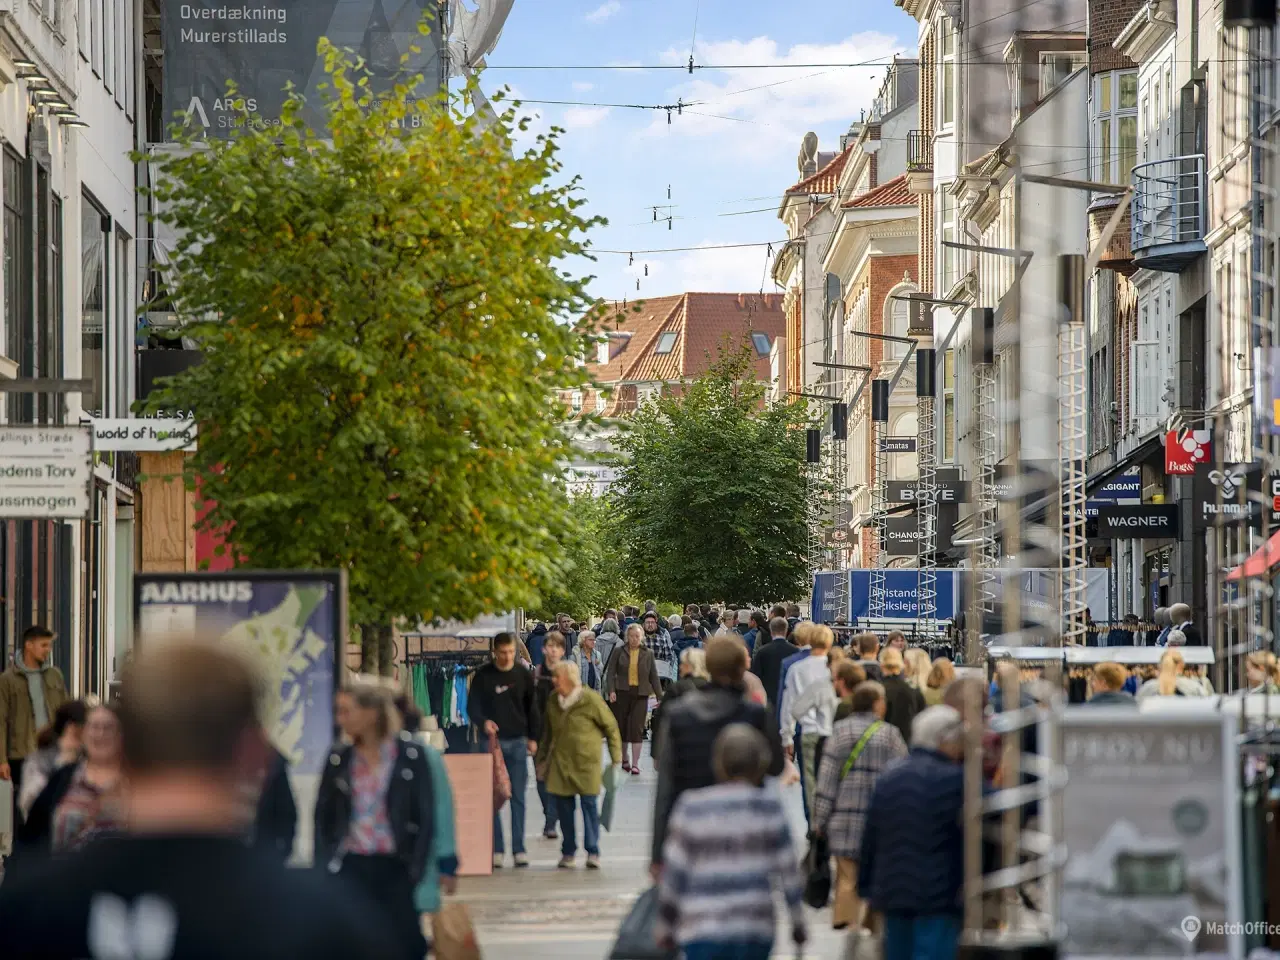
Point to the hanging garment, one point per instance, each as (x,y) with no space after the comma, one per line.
(461,682)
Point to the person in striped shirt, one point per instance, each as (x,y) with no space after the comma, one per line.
(728,847)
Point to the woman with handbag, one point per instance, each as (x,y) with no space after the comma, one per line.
(629,681)
(576,721)
(375,812)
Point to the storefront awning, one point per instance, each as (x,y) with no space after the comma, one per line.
(1263,560)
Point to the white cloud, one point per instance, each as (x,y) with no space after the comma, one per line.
(583,118)
(580,86)
(603,12)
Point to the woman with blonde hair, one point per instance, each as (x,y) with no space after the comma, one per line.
(942,672)
(1263,672)
(1171,681)
(918,666)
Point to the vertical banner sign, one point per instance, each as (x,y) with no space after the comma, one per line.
(263,45)
(1150,817)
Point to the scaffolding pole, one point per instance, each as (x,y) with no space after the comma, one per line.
(880,429)
(926,488)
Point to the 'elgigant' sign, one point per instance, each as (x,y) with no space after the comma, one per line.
(264,45)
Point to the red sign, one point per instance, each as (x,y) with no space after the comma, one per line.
(1185,449)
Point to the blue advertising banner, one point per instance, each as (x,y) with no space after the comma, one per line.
(291,625)
(822,608)
(902,594)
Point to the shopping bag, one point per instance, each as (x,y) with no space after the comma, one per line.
(453,935)
(612,781)
(637,935)
(501,777)
(817,862)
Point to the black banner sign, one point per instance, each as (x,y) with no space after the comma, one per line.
(902,536)
(1150,521)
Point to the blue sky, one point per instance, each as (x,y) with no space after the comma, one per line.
(628,158)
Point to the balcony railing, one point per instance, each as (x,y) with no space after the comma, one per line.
(919,151)
(1168,223)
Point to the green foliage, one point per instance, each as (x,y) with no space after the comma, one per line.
(711,497)
(384,328)
(595,576)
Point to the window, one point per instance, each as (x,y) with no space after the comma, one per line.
(124,323)
(948,257)
(897,319)
(93,315)
(947,75)
(82,20)
(601,401)
(1233,56)
(666,343)
(95,35)
(948,452)
(1115,125)
(20,346)
(602,351)
(1055,68)
(109,45)
(129,65)
(575,401)
(761,342)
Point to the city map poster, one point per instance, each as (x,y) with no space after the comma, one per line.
(291,625)
(1150,816)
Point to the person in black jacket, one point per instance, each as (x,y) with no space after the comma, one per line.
(902,700)
(1180,614)
(767,662)
(689,729)
(276,822)
(374,812)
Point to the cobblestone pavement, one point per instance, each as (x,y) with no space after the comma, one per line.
(543,913)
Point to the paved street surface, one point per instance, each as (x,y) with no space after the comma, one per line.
(543,913)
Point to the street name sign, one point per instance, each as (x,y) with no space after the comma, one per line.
(45,472)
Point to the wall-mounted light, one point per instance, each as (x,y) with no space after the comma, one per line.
(74,123)
(56,105)
(25,64)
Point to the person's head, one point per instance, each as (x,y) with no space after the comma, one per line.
(1261,667)
(868,645)
(917,666)
(898,640)
(760,622)
(650,606)
(610,614)
(940,729)
(1162,617)
(802,634)
(705,610)
(567,678)
(364,713)
(190,712)
(778,628)
(868,697)
(692,611)
(102,744)
(1179,613)
(587,640)
(793,611)
(965,690)
(693,663)
(504,651)
(1109,677)
(740,755)
(848,676)
(1171,666)
(564,620)
(407,714)
(942,672)
(778,610)
(729,619)
(726,661)
(650,622)
(609,626)
(66,728)
(890,662)
(674,622)
(635,636)
(553,648)
(37,645)
(1175,638)
(820,639)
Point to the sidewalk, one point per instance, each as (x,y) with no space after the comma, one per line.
(542,913)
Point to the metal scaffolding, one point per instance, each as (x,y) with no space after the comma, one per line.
(880,429)
(1072,420)
(926,488)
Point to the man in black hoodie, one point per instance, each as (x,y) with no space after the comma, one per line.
(689,729)
(767,662)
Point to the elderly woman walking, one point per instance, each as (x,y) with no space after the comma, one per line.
(629,681)
(576,722)
(590,663)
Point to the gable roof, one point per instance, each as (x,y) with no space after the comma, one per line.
(827,179)
(893,193)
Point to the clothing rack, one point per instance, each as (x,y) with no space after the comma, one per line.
(439,682)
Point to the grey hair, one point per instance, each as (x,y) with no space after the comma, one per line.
(586,635)
(740,753)
(1180,613)
(636,629)
(1162,617)
(609,626)
(674,621)
(569,669)
(937,727)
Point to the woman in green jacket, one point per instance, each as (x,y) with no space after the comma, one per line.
(441,871)
(575,723)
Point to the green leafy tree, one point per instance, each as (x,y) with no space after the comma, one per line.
(384,328)
(711,497)
(596,575)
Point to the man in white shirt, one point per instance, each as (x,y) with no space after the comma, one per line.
(815,721)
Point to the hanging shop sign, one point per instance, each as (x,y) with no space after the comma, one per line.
(898,444)
(45,472)
(951,489)
(264,46)
(1127,486)
(1149,521)
(836,537)
(1229,494)
(902,536)
(1150,810)
(1185,449)
(161,435)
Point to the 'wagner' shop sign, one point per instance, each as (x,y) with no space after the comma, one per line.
(263,45)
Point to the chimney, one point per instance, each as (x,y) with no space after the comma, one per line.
(742,301)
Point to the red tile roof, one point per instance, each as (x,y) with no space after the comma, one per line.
(894,193)
(701,322)
(825,180)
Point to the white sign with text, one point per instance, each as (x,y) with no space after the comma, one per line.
(45,472)
(161,435)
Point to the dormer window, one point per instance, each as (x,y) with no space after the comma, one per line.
(666,343)
(1055,68)
(761,342)
(602,351)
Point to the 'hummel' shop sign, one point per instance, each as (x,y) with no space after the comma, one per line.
(1150,521)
